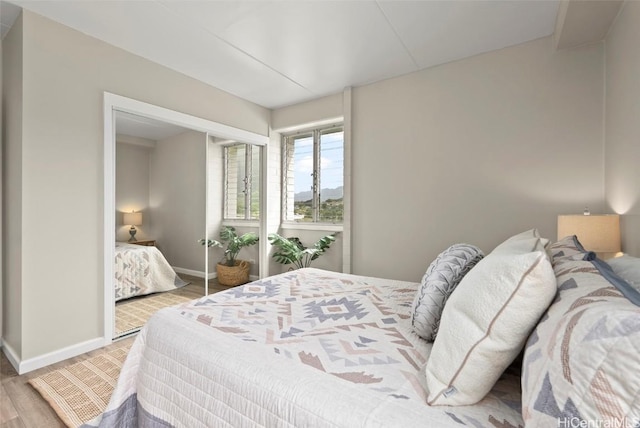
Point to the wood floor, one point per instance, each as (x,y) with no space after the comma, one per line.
(131,314)
(22,407)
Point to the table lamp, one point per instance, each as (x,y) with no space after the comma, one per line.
(134,219)
(597,233)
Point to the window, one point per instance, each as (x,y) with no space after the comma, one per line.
(314,176)
(242,182)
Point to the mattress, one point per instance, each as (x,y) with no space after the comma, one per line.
(141,270)
(304,348)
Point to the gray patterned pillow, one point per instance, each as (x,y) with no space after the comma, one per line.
(441,278)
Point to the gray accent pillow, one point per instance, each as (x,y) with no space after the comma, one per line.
(441,278)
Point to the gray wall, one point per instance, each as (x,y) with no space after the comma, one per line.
(64,75)
(215,177)
(177,198)
(622,154)
(166,182)
(470,151)
(1,193)
(12,181)
(132,189)
(473,151)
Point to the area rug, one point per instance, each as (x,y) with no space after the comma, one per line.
(132,314)
(81,391)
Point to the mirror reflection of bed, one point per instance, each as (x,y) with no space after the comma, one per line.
(160,215)
(145,283)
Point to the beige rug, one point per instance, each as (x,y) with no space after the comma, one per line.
(132,314)
(81,391)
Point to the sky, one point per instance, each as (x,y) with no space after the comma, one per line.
(331,162)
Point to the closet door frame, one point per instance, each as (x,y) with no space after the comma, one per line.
(113,103)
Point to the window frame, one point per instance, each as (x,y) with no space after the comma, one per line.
(288,144)
(247,180)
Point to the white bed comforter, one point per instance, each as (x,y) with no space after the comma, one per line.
(305,348)
(141,270)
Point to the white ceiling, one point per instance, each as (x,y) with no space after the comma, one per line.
(277,53)
(8,14)
(134,125)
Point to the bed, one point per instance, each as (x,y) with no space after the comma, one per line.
(304,348)
(141,270)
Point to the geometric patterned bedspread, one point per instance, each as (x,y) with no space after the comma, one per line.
(141,270)
(582,364)
(303,348)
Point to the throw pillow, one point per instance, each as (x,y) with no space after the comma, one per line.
(628,268)
(568,246)
(524,242)
(441,278)
(485,324)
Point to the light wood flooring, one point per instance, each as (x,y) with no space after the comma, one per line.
(194,290)
(21,406)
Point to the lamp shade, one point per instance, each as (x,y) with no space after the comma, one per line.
(598,233)
(133,219)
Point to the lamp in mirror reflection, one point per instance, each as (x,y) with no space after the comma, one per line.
(134,219)
(597,233)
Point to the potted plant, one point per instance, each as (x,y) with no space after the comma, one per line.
(291,250)
(232,271)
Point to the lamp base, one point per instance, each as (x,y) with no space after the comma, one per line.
(132,232)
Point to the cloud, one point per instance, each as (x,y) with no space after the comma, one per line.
(305,164)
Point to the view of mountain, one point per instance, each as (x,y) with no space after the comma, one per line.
(324,195)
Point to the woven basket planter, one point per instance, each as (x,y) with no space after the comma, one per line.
(233,275)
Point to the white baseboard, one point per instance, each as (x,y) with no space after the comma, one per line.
(25,366)
(200,274)
(196,273)
(11,355)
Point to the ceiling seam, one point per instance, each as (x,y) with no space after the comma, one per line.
(189,21)
(386,18)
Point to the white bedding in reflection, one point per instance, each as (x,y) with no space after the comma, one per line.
(141,270)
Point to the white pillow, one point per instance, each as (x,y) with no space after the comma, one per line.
(485,324)
(531,233)
(627,268)
(442,277)
(524,242)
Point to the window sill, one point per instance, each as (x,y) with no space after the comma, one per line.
(241,223)
(325,227)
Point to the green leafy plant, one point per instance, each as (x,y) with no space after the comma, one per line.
(291,250)
(234,243)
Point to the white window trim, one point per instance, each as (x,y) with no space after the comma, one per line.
(236,222)
(311,131)
(248,174)
(325,227)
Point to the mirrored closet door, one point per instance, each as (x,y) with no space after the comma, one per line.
(161,199)
(234,211)
(172,182)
